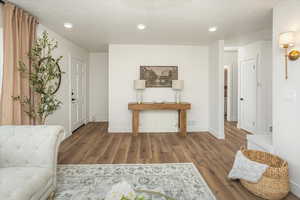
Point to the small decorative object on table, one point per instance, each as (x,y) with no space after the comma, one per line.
(159,101)
(177,85)
(139,85)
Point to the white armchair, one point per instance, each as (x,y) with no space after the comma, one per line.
(28,160)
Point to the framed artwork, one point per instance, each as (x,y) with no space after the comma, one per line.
(159,76)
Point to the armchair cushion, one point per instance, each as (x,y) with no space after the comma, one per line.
(31,146)
(24,182)
(28,159)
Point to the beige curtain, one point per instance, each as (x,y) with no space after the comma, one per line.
(19,35)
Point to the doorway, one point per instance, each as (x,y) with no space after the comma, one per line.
(225,92)
(78,96)
(231,86)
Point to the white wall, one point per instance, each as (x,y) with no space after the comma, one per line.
(262,52)
(98,79)
(231,60)
(124,64)
(66,49)
(286,101)
(216,89)
(1,46)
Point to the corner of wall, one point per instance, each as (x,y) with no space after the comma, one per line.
(295,188)
(216,134)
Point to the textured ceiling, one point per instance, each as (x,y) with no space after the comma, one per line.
(100,22)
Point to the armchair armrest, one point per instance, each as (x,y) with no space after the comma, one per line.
(34,146)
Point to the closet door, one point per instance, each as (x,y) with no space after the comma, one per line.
(77,94)
(248,95)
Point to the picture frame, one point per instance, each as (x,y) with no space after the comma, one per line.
(158,76)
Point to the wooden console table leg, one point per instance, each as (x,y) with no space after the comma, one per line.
(135,122)
(182,122)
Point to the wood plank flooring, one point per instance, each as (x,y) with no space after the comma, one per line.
(92,144)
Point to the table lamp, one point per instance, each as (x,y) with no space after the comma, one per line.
(139,85)
(177,85)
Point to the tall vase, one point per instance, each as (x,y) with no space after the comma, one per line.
(139,96)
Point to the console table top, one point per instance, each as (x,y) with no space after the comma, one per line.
(159,106)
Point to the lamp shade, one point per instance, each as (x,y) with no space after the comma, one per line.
(139,84)
(177,84)
(287,39)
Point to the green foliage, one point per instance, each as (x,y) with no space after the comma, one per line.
(43,78)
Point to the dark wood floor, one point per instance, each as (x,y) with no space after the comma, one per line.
(92,144)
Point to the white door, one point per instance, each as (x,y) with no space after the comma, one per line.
(77,98)
(248,95)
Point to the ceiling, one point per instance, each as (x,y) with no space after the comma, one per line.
(98,23)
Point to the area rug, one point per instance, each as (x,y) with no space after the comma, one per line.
(92,182)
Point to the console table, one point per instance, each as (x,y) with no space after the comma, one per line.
(182,108)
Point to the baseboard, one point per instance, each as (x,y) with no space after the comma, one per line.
(158,130)
(221,137)
(119,130)
(262,132)
(67,135)
(98,118)
(295,188)
(173,132)
(192,128)
(103,121)
(215,134)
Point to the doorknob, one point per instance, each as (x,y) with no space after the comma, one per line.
(242,99)
(73,99)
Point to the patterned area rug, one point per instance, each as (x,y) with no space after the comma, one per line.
(92,182)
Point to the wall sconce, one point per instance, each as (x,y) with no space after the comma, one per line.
(287,40)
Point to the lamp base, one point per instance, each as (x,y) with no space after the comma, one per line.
(139,97)
(178,97)
(294,55)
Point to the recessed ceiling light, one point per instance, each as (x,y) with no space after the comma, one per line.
(141,26)
(213,29)
(68,25)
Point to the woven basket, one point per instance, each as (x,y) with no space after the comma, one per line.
(274,183)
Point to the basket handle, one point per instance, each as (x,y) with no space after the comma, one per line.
(284,164)
(243,148)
